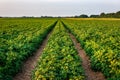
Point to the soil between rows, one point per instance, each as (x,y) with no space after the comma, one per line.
(89,73)
(31,62)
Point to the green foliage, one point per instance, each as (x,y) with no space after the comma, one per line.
(19,38)
(59,60)
(110,15)
(101,41)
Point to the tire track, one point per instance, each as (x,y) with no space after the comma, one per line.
(31,62)
(89,73)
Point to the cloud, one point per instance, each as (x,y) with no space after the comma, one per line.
(56,7)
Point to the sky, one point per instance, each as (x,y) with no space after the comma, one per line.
(38,8)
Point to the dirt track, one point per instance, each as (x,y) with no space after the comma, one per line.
(30,63)
(89,73)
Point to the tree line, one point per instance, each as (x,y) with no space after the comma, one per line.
(102,15)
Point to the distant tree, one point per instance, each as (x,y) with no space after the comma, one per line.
(83,16)
(102,15)
(117,15)
(94,16)
(118,12)
(46,17)
(110,15)
(76,16)
(24,16)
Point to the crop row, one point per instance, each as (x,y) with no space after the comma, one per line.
(59,60)
(101,41)
(19,38)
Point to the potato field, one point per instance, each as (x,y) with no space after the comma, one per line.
(59,59)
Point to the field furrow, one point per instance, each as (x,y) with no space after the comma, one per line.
(59,60)
(77,49)
(19,39)
(89,73)
(29,65)
(101,41)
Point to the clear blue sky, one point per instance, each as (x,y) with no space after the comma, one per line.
(57,7)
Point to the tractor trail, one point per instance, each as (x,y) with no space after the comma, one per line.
(31,62)
(89,73)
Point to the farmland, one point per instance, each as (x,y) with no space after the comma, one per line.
(101,41)
(59,59)
(21,37)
